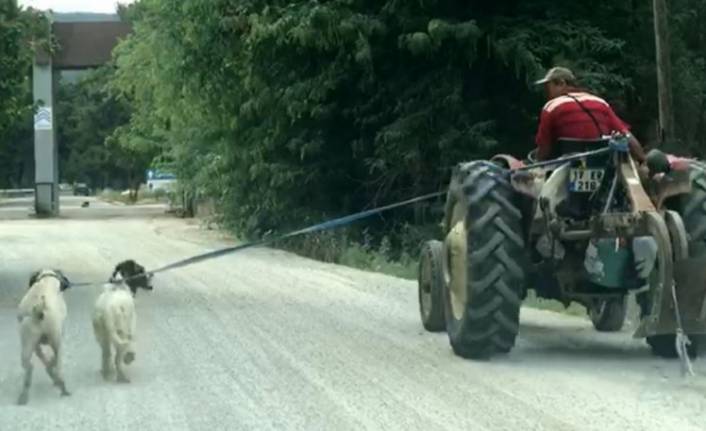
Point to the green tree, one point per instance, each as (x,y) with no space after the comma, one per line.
(289,111)
(13,65)
(22,33)
(94,144)
(689,68)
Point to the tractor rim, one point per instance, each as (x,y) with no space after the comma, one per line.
(455,270)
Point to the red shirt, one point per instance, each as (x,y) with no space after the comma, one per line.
(562,117)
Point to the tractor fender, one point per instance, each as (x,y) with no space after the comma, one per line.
(507,161)
(676,182)
(677,163)
(522,181)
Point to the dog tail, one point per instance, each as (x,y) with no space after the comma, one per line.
(120,328)
(39,309)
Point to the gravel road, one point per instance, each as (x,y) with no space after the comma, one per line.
(267,340)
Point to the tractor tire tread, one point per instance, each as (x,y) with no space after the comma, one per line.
(496,263)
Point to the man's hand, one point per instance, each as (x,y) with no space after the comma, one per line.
(643,171)
(543,153)
(619,143)
(636,149)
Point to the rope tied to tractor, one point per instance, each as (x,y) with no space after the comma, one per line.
(328,224)
(681,340)
(319,227)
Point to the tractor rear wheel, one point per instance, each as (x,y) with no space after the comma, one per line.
(664,345)
(431,287)
(692,209)
(484,265)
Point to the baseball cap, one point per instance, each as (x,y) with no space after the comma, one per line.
(557,73)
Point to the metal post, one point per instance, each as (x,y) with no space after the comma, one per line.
(45,145)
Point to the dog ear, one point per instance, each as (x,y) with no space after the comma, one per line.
(133,267)
(139,269)
(64,282)
(33,278)
(120,268)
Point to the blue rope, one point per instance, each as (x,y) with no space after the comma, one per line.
(319,227)
(563,160)
(341,221)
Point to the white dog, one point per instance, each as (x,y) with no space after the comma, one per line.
(115,320)
(41,315)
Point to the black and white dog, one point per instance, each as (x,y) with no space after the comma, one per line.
(134,275)
(115,319)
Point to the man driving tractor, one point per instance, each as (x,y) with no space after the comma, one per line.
(573,113)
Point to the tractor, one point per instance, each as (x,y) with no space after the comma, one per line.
(589,226)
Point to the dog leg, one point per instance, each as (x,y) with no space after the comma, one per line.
(120,364)
(55,367)
(105,346)
(48,365)
(27,349)
(106,370)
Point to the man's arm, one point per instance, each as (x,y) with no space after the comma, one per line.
(544,138)
(635,148)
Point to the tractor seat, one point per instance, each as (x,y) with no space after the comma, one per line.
(565,146)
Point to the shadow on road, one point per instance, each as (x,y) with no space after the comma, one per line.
(585,347)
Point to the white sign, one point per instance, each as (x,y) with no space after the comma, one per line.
(43,118)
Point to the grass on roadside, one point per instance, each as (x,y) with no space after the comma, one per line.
(358,257)
(337,247)
(372,260)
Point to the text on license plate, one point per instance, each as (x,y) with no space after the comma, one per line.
(585,180)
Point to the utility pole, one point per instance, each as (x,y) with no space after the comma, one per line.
(664,72)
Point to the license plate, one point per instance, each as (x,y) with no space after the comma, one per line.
(585,180)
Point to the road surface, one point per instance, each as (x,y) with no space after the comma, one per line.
(70,207)
(266,340)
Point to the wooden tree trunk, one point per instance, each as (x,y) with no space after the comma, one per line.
(664,68)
